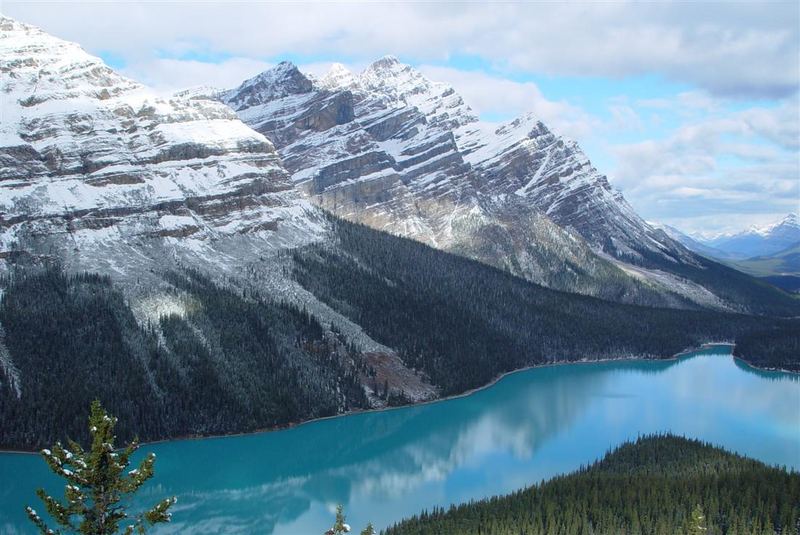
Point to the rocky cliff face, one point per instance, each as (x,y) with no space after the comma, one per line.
(389,148)
(91,160)
(100,174)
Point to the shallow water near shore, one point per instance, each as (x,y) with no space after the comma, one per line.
(383,466)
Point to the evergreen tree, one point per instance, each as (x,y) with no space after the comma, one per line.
(340,527)
(96,485)
(650,487)
(698,522)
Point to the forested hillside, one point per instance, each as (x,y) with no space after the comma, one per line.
(228,364)
(224,361)
(777,347)
(650,486)
(463,322)
(735,287)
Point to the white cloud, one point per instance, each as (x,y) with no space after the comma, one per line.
(737,48)
(506,99)
(719,173)
(686,103)
(780,125)
(625,117)
(170,75)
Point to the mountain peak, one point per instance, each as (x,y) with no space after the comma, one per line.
(77,137)
(35,57)
(790,219)
(283,72)
(389,68)
(386,62)
(788,223)
(394,79)
(338,77)
(761,240)
(338,69)
(282,67)
(280,81)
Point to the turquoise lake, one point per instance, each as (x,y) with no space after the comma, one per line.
(383,466)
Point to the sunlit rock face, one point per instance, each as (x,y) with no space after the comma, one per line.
(389,148)
(90,160)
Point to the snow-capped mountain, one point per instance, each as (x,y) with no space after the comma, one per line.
(226,301)
(760,240)
(348,135)
(99,173)
(693,244)
(389,148)
(91,161)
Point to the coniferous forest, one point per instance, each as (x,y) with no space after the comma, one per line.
(233,362)
(231,365)
(463,322)
(777,347)
(647,487)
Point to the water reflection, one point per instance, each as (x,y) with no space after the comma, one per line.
(532,425)
(385,455)
(770,375)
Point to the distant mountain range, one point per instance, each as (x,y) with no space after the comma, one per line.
(759,241)
(771,251)
(756,241)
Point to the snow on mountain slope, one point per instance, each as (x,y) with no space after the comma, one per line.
(552,174)
(691,243)
(100,174)
(389,148)
(90,158)
(760,241)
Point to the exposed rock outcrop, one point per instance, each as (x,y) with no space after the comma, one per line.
(410,157)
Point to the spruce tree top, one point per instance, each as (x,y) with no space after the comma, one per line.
(98,487)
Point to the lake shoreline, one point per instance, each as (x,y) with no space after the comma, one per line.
(470,392)
(763,368)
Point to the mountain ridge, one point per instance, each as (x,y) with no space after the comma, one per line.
(760,240)
(391,149)
(156,253)
(92,155)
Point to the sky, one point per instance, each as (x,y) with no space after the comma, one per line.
(692,109)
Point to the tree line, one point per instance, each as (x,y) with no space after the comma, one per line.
(657,485)
(462,322)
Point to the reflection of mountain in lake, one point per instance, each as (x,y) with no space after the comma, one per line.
(384,454)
